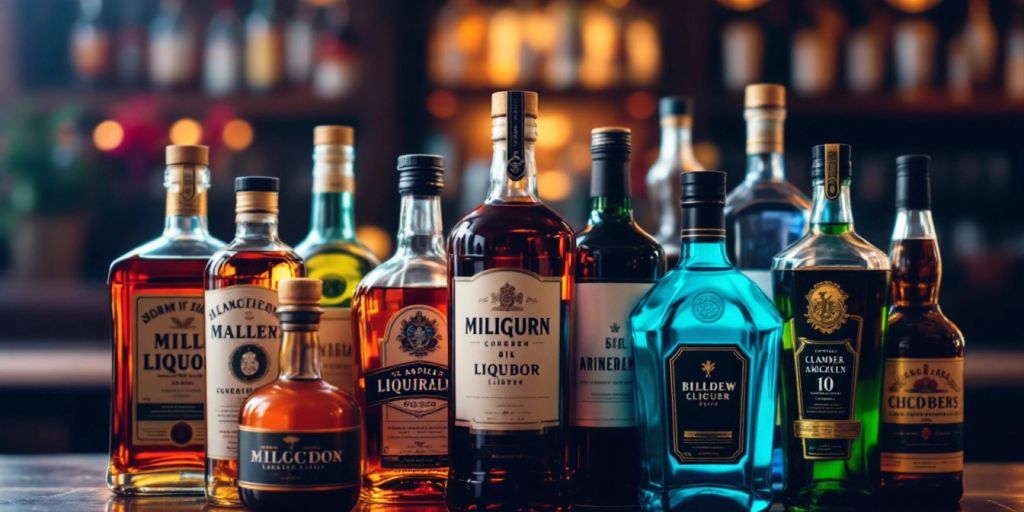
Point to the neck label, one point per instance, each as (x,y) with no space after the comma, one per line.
(187,200)
(515,164)
(831,171)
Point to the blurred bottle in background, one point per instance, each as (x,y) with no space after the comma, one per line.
(300,44)
(914,46)
(336,70)
(264,47)
(222,55)
(130,61)
(91,44)
(1014,66)
(982,43)
(172,47)
(866,56)
(743,46)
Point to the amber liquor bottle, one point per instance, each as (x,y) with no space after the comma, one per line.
(299,437)
(157,431)
(617,262)
(400,313)
(922,432)
(510,270)
(242,329)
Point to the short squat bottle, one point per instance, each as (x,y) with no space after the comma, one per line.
(299,438)
(706,343)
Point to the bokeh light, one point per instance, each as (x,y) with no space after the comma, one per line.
(554,129)
(554,185)
(108,135)
(641,105)
(186,131)
(237,134)
(442,104)
(376,239)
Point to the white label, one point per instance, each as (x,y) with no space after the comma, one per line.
(763,280)
(339,360)
(602,357)
(167,400)
(507,342)
(243,337)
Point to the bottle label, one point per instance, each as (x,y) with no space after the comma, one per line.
(508,346)
(515,112)
(602,354)
(169,383)
(411,389)
(826,357)
(762,278)
(242,342)
(338,357)
(923,416)
(309,460)
(707,397)
(832,185)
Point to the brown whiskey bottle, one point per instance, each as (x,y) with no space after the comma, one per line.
(921,435)
(299,438)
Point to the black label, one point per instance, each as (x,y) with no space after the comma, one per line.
(707,393)
(515,118)
(323,460)
(409,380)
(923,438)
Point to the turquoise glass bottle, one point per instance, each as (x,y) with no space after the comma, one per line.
(706,344)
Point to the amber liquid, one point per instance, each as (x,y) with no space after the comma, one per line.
(258,268)
(167,468)
(371,313)
(511,470)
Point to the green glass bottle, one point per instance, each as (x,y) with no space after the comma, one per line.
(331,251)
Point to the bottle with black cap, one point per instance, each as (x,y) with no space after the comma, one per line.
(706,342)
(922,441)
(242,328)
(400,311)
(157,429)
(832,289)
(674,157)
(617,262)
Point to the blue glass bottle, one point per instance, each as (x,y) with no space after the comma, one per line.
(706,344)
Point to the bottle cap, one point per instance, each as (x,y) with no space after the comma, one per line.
(333,135)
(257,184)
(303,292)
(256,194)
(420,174)
(832,164)
(702,196)
(702,187)
(499,103)
(764,95)
(610,140)
(675,106)
(187,154)
(913,184)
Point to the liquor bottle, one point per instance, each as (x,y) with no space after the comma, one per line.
(222,72)
(921,436)
(264,47)
(706,342)
(765,213)
(331,251)
(157,430)
(242,329)
(832,289)
(172,47)
(300,44)
(400,312)
(617,262)
(510,272)
(92,44)
(299,438)
(336,67)
(675,157)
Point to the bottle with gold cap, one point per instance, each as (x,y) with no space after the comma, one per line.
(299,438)
(332,252)
(242,328)
(765,213)
(157,430)
(510,273)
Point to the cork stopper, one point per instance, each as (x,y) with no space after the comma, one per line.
(499,103)
(300,292)
(187,154)
(764,95)
(338,135)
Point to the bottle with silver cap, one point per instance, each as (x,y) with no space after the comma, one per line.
(157,432)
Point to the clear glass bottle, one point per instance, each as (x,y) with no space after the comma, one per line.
(331,251)
(222,55)
(400,312)
(706,343)
(264,47)
(157,428)
(832,289)
(765,213)
(675,157)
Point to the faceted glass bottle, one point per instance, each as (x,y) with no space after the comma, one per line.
(674,157)
(400,312)
(922,433)
(157,428)
(831,288)
(706,342)
(617,262)
(765,213)
(331,251)
(510,272)
(300,438)
(242,329)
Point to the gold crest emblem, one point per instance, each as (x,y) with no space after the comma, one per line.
(707,367)
(826,307)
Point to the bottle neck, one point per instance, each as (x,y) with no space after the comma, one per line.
(185,226)
(831,215)
(256,226)
(676,141)
(300,352)
(420,232)
(765,167)
(610,199)
(765,143)
(186,203)
(333,209)
(513,179)
(916,261)
(702,243)
(333,216)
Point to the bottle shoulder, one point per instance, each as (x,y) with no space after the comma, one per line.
(616,236)
(313,246)
(923,332)
(399,272)
(512,219)
(299,404)
(846,250)
(766,195)
(272,254)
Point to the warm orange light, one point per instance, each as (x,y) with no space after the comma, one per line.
(554,185)
(600,41)
(469,33)
(442,104)
(641,105)
(708,154)
(913,6)
(186,131)
(237,134)
(556,128)
(505,37)
(376,239)
(616,4)
(742,5)
(643,52)
(108,135)
(542,34)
